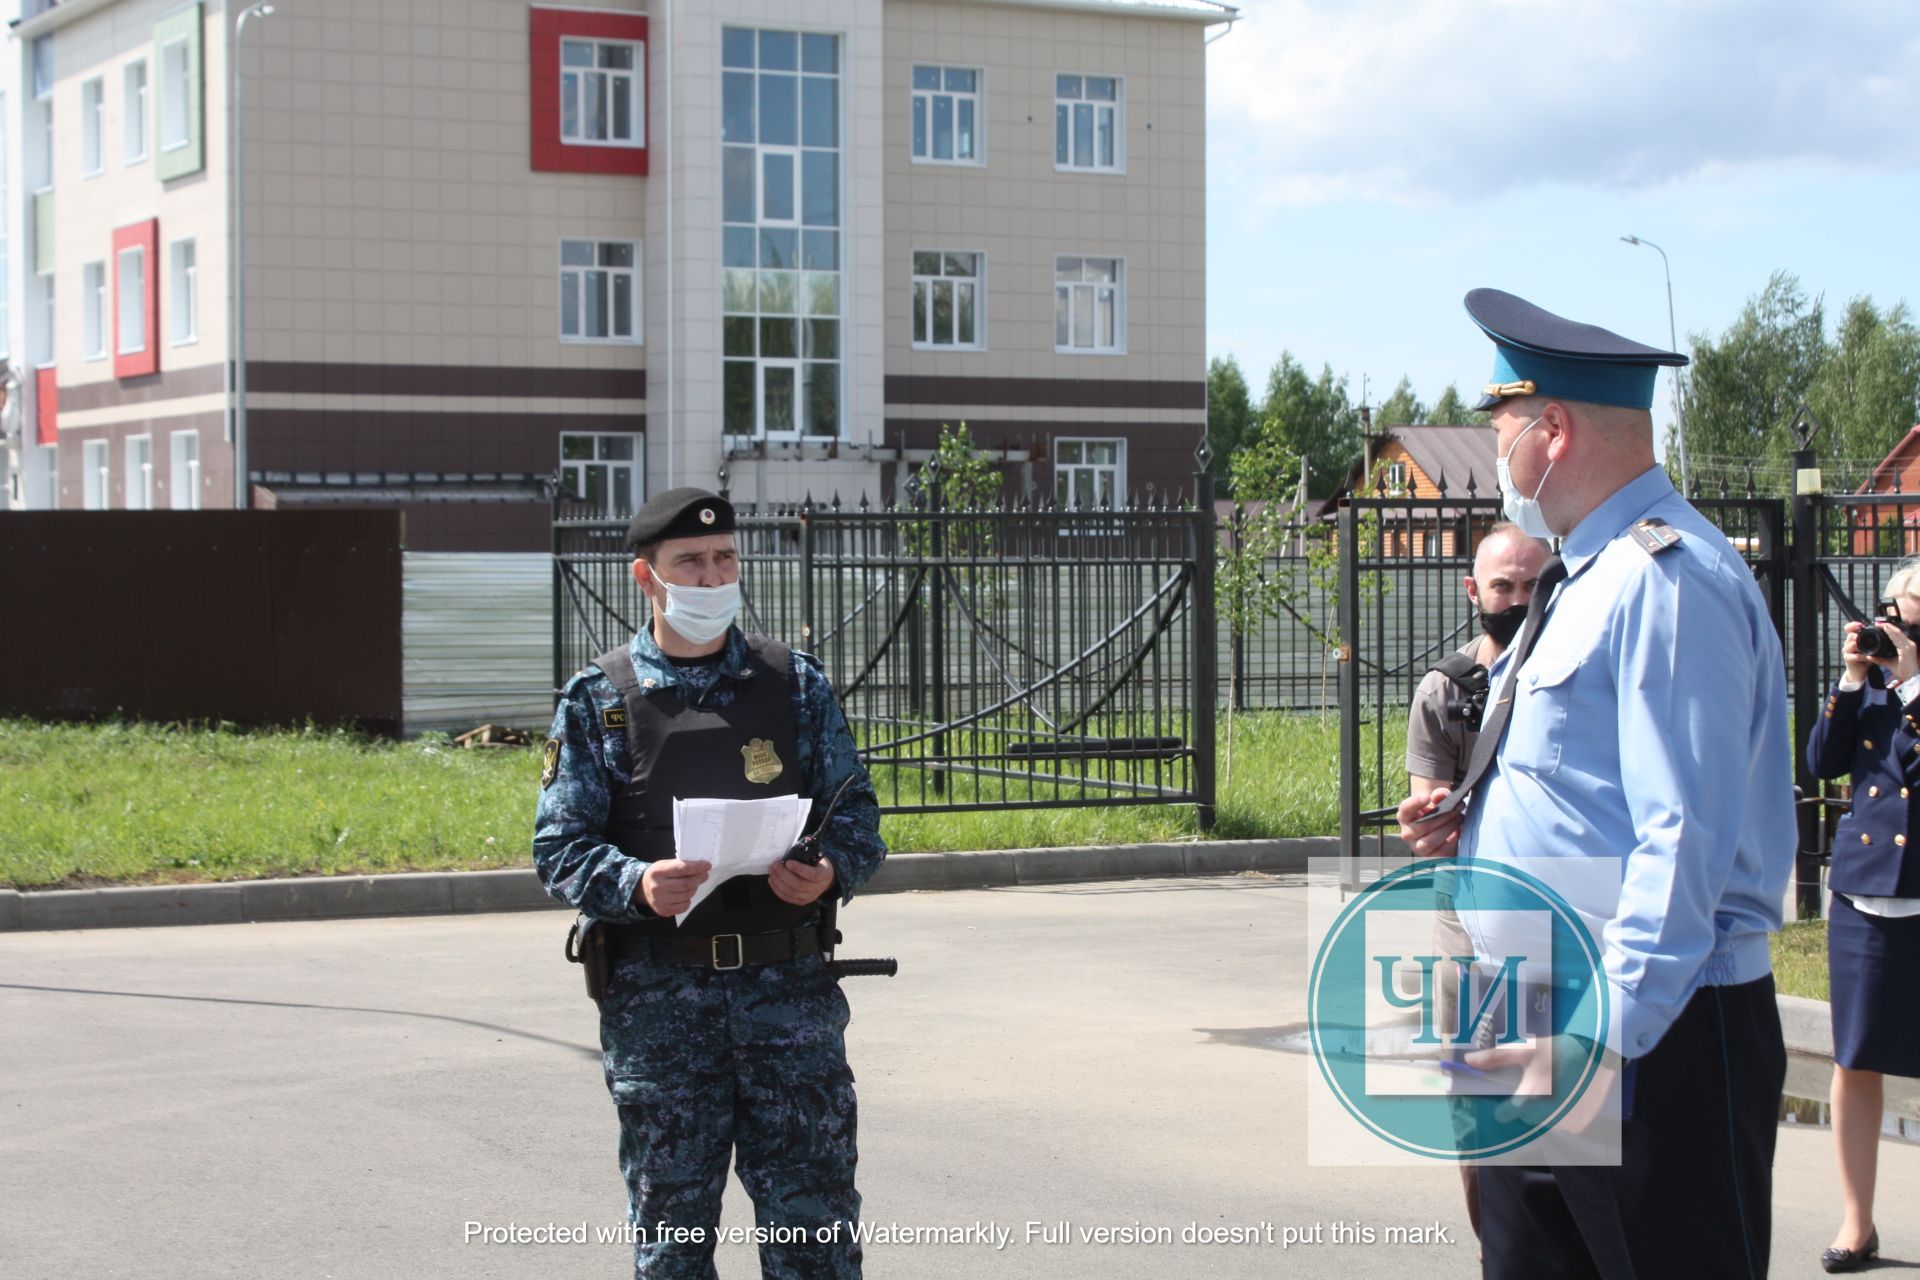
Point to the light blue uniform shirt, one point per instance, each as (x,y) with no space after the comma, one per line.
(1650,725)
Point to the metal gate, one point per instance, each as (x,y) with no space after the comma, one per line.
(1403,607)
(1016,656)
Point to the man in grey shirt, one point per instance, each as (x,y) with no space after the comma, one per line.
(1439,746)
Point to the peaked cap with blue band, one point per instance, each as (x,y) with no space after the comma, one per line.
(1539,353)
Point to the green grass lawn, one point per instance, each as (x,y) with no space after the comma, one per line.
(1800,959)
(104,804)
(97,804)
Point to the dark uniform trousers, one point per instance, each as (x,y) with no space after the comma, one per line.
(1692,1195)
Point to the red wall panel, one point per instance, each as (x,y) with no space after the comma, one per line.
(142,235)
(550,153)
(46,405)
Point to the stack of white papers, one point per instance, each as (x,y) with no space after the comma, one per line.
(739,837)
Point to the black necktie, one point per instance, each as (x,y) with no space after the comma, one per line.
(1494,727)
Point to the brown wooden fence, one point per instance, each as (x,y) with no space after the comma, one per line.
(253,617)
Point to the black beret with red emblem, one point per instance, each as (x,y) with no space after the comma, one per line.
(679,513)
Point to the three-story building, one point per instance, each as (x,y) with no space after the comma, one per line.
(634,245)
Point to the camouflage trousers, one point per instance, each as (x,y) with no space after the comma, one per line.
(750,1063)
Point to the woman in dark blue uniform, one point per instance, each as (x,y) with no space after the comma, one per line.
(1870,728)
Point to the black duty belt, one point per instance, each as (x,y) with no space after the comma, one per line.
(720,951)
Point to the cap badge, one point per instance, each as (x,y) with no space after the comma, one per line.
(706,515)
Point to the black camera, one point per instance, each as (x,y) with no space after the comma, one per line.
(1872,642)
(1468,704)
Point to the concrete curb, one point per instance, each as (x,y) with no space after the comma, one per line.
(464,892)
(1807,1025)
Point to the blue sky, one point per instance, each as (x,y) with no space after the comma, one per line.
(1369,161)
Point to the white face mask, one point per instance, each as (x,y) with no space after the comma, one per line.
(700,614)
(1524,512)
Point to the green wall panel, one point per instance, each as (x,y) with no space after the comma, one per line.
(183,24)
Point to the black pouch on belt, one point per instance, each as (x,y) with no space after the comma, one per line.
(589,945)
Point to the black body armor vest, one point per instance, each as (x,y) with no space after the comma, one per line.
(680,750)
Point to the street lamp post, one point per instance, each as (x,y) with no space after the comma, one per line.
(237,307)
(1673,344)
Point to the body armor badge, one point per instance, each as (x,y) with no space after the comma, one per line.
(763,766)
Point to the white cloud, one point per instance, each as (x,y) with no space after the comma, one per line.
(1317,100)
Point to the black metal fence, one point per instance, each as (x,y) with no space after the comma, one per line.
(1820,561)
(1031,657)
(1014,657)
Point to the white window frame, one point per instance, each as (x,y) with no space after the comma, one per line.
(1119,108)
(183,471)
(41,66)
(795,366)
(762,154)
(95,481)
(183,293)
(138,495)
(1119,287)
(922,100)
(180,93)
(133,128)
(574,469)
(134,297)
(635,272)
(93,310)
(93,127)
(978,282)
(636,88)
(1395,477)
(1066,470)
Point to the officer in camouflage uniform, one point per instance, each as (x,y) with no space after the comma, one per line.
(723,1036)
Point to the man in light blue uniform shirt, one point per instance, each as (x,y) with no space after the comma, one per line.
(1646,723)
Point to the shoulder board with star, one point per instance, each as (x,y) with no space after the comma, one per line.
(1654,536)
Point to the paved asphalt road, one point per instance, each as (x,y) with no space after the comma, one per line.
(343,1099)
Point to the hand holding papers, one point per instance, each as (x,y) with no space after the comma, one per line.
(739,837)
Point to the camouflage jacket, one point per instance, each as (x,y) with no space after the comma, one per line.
(590,764)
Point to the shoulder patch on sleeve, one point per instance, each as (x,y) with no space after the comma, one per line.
(1654,536)
(550,763)
(614,718)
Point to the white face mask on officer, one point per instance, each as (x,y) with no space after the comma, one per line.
(1523,511)
(699,614)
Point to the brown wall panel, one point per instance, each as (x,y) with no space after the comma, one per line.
(255,617)
(399,440)
(1158,453)
(1052,393)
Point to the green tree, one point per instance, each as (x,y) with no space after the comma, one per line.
(1867,391)
(966,481)
(1745,388)
(1264,477)
(1230,420)
(1450,410)
(1312,419)
(1402,408)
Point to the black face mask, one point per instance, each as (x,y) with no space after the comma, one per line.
(1504,625)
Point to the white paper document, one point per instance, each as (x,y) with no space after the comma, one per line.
(739,837)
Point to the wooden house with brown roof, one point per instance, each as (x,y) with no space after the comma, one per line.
(1427,461)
